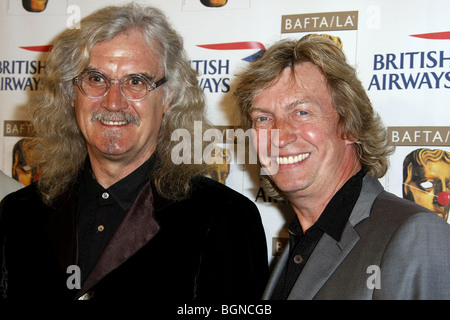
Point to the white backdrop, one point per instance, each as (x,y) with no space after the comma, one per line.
(401,50)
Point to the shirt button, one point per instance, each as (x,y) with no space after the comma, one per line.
(100,228)
(105,195)
(298,259)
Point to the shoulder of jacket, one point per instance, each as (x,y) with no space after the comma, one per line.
(204,186)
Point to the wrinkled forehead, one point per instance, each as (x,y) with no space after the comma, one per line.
(303,84)
(126,50)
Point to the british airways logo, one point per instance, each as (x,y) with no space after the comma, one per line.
(23,74)
(46,48)
(413,70)
(215,73)
(238,46)
(434,35)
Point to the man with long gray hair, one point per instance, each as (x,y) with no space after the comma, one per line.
(111,216)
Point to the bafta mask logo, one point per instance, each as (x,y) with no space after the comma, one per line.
(22,171)
(220,170)
(426,179)
(214,3)
(34,5)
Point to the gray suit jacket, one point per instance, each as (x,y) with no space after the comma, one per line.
(391,248)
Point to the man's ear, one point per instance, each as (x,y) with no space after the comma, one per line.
(72,101)
(350,140)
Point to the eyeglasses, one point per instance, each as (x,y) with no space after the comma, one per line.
(134,87)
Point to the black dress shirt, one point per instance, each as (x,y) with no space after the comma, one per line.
(332,221)
(101,210)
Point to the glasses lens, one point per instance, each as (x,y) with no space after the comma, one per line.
(135,87)
(94,84)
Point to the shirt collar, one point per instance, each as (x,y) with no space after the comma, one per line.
(125,191)
(336,214)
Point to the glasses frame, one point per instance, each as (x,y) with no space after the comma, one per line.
(78,81)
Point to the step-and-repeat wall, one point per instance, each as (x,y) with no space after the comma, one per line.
(401,50)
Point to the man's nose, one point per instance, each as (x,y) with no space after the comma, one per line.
(284,134)
(114,99)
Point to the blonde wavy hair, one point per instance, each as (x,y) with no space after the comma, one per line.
(356,115)
(59,149)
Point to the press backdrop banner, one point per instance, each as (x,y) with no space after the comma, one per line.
(401,50)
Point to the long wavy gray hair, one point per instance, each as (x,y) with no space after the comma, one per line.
(356,115)
(59,149)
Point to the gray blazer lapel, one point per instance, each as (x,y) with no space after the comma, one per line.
(371,189)
(276,273)
(328,254)
(325,259)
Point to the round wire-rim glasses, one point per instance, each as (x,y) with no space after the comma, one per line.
(134,87)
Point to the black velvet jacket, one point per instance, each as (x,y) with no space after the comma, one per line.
(210,247)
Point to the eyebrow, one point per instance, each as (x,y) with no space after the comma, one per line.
(295,103)
(254,109)
(289,105)
(144,74)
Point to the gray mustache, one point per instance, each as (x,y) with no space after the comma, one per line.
(120,115)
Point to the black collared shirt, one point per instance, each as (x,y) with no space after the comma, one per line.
(332,221)
(101,210)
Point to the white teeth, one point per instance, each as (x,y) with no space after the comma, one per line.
(114,123)
(291,159)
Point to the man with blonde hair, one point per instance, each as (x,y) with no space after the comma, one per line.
(349,238)
(111,217)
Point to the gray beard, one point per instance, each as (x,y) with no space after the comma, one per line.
(111,138)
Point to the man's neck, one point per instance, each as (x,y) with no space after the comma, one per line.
(309,205)
(107,171)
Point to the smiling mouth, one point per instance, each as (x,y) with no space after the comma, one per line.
(292,159)
(113,123)
(115,118)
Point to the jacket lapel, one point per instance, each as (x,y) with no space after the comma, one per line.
(276,274)
(329,253)
(371,189)
(325,259)
(137,228)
